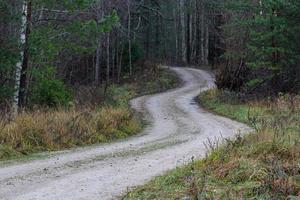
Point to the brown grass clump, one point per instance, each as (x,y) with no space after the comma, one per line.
(60,129)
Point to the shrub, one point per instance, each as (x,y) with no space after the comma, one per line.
(51,92)
(119,95)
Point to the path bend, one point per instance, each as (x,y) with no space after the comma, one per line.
(177,130)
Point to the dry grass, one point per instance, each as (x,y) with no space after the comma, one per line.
(263,165)
(54,130)
(98,114)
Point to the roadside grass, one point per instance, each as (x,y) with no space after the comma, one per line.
(262,165)
(95,118)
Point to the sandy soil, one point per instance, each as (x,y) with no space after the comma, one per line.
(177,131)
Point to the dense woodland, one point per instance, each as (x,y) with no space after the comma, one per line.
(49,47)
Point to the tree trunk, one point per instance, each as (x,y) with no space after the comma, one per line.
(129,37)
(25,64)
(198,32)
(176,35)
(188,33)
(97,65)
(19,64)
(182,30)
(120,63)
(157,40)
(206,50)
(202,28)
(113,61)
(108,59)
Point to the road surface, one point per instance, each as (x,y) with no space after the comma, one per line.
(177,131)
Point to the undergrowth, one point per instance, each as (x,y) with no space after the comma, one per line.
(98,115)
(262,165)
(53,130)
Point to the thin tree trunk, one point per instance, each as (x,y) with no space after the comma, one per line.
(194,35)
(98,51)
(108,59)
(176,35)
(164,39)
(157,42)
(206,45)
(120,63)
(19,64)
(97,64)
(198,32)
(202,28)
(129,37)
(25,64)
(188,33)
(182,25)
(117,56)
(113,60)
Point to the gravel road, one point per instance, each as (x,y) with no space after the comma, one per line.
(177,129)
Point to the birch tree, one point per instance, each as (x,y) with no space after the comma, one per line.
(18,68)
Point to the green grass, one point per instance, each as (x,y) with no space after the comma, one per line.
(110,118)
(227,106)
(262,165)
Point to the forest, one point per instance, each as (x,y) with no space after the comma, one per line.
(71,69)
(62,44)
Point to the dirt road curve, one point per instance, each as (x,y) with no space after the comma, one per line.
(177,131)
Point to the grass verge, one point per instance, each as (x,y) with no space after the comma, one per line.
(263,165)
(100,115)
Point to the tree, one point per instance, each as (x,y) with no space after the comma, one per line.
(274,55)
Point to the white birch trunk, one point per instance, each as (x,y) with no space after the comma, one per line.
(19,64)
(261,6)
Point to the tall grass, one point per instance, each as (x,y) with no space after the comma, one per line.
(53,130)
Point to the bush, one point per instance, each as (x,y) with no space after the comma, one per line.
(119,95)
(51,93)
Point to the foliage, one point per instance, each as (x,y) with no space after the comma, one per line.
(60,30)
(261,49)
(50,93)
(9,54)
(47,90)
(272,45)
